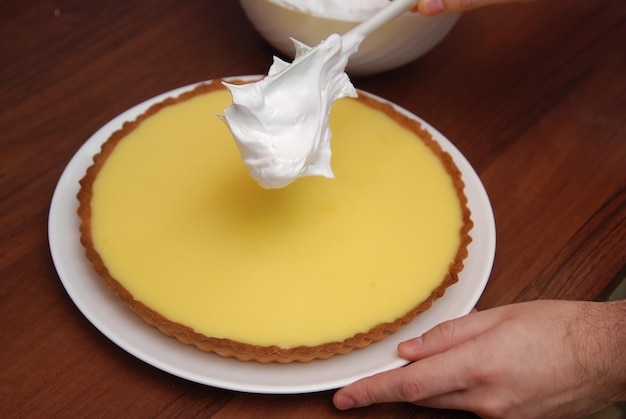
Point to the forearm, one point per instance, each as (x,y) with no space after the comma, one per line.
(603,351)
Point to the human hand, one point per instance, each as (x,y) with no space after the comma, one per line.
(535,359)
(434,7)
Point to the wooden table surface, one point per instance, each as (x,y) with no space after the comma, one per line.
(534,95)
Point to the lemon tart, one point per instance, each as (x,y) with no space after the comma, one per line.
(179,231)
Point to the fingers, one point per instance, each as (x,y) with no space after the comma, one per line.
(449,334)
(433,7)
(431,377)
(442,372)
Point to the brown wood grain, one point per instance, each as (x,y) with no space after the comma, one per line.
(534,95)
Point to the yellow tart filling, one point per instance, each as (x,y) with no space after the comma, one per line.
(178,222)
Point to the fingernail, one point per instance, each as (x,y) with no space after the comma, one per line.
(414,344)
(433,7)
(343,402)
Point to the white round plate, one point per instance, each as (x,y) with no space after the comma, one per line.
(128,331)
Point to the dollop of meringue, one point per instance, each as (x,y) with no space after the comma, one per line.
(280,123)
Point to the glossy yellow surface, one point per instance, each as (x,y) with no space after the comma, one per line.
(181,225)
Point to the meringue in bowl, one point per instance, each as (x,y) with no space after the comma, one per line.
(405,39)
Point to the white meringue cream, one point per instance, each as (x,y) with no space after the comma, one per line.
(349,10)
(280,123)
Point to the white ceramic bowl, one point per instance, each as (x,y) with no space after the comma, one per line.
(400,42)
